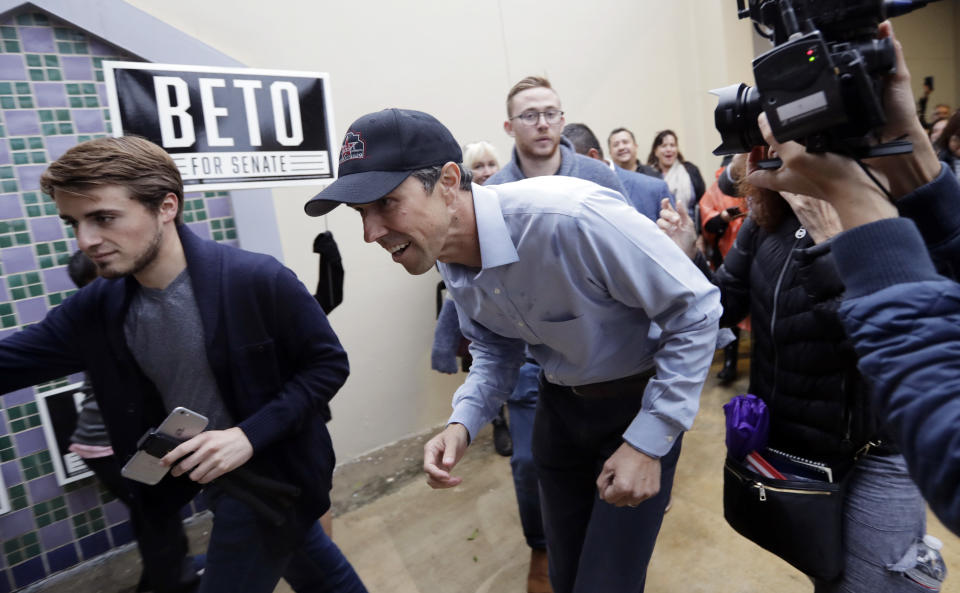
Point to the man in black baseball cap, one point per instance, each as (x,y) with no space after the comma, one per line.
(382,149)
(617,316)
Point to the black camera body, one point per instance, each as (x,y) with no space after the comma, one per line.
(821,84)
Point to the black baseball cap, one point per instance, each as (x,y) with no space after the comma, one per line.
(379,151)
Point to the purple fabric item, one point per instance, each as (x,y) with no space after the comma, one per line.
(29,176)
(22,123)
(50,94)
(77,68)
(37,40)
(88,121)
(56,534)
(17,259)
(46,228)
(31,310)
(12,68)
(10,207)
(30,441)
(57,145)
(748,425)
(57,279)
(44,488)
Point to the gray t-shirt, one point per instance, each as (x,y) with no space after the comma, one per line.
(165,334)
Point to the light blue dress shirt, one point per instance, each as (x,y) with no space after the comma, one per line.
(595,290)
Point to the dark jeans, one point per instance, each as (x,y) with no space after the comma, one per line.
(522,406)
(592,545)
(239,558)
(160,538)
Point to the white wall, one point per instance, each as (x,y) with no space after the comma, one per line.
(643,64)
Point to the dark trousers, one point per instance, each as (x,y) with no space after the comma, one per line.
(239,558)
(592,545)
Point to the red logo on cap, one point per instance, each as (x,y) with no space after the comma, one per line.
(353,147)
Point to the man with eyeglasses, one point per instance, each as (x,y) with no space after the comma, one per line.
(535,121)
(622,322)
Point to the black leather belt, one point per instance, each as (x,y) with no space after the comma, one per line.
(616,386)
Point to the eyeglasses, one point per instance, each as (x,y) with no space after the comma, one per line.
(530,118)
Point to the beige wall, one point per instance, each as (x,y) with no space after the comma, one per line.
(644,64)
(929,38)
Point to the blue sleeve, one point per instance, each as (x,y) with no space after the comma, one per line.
(904,321)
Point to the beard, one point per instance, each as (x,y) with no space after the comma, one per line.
(140,263)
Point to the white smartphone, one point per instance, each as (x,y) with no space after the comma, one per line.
(182,424)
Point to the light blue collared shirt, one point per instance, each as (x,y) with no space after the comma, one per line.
(595,290)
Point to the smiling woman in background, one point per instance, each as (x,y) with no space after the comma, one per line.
(481,158)
(682,177)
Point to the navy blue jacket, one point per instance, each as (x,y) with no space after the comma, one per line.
(904,320)
(275,358)
(644,192)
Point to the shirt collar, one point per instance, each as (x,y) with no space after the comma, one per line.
(496,245)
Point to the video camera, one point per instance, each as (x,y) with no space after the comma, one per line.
(821,84)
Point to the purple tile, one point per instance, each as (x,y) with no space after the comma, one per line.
(102,93)
(17,259)
(4,153)
(121,534)
(21,123)
(62,558)
(88,121)
(10,207)
(11,473)
(16,523)
(29,176)
(99,48)
(47,228)
(3,431)
(57,279)
(56,534)
(50,94)
(218,207)
(5,586)
(115,512)
(57,145)
(28,572)
(4,296)
(31,310)
(30,441)
(94,545)
(20,396)
(201,229)
(37,39)
(12,68)
(77,68)
(83,499)
(6,333)
(44,488)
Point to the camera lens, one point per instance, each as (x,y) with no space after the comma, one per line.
(736,119)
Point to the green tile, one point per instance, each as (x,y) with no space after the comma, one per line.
(33,211)
(44,520)
(25,102)
(35,143)
(65,128)
(5,241)
(5,309)
(60,246)
(91,102)
(18,426)
(59,514)
(54,74)
(73,89)
(51,60)
(36,290)
(8,103)
(89,88)
(20,158)
(61,34)
(7,321)
(18,144)
(36,75)
(23,88)
(41,508)
(80,48)
(38,157)
(12,46)
(99,525)
(31,408)
(19,293)
(33,60)
(14,558)
(64,47)
(23,238)
(63,115)
(8,33)
(25,19)
(76,102)
(32,277)
(29,538)
(46,115)
(48,129)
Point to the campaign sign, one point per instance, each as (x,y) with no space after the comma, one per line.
(59,411)
(227,128)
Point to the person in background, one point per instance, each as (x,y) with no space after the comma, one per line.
(482,160)
(936,128)
(91,443)
(623,150)
(682,177)
(948,144)
(722,212)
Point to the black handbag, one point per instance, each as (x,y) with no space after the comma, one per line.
(801,521)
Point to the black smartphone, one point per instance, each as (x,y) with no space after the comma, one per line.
(928,82)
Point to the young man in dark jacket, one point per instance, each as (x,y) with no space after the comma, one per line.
(175,320)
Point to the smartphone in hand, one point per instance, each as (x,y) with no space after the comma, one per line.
(182,424)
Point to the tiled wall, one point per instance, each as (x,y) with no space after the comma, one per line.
(52,96)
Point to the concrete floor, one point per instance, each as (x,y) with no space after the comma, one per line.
(403,537)
(468,539)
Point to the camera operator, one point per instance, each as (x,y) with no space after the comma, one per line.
(901,314)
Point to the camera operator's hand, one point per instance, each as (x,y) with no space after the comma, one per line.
(827,176)
(817,216)
(907,172)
